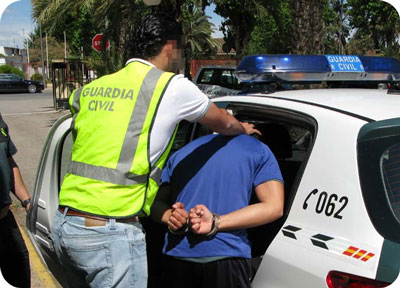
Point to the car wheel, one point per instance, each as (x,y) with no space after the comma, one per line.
(32,88)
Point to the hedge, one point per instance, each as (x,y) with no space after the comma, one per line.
(37,77)
(7,69)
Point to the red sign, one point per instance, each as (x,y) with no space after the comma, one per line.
(97,42)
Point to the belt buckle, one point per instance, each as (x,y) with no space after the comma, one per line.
(90,222)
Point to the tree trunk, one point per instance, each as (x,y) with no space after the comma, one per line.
(307,27)
(186,71)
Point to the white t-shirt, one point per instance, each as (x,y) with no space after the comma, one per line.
(182,100)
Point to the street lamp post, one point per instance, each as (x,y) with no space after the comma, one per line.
(47,58)
(41,51)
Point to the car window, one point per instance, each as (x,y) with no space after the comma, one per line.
(5,77)
(228,77)
(182,136)
(65,157)
(206,76)
(15,78)
(390,163)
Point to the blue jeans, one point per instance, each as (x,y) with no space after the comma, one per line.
(102,256)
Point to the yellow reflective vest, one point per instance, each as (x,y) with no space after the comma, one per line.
(110,173)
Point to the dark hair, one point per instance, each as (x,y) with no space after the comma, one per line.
(153,34)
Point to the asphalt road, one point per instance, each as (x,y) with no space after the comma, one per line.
(29,117)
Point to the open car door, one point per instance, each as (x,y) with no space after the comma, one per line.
(52,167)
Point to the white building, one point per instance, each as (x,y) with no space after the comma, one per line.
(17,58)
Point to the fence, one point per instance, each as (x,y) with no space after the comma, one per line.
(66,77)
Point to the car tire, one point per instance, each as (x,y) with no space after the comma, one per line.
(32,88)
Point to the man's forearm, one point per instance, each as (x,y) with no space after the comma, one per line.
(271,197)
(221,121)
(250,216)
(160,212)
(20,189)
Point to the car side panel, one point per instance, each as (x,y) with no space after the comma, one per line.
(45,197)
(313,241)
(335,232)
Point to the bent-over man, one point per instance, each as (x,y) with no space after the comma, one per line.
(214,177)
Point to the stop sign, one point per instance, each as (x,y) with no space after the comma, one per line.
(97,42)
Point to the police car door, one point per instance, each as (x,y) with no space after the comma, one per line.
(53,164)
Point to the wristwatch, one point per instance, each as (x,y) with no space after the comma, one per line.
(25,202)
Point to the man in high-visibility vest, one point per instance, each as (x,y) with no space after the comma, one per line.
(123,127)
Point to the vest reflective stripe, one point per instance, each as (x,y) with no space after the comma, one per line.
(111,175)
(137,120)
(155,173)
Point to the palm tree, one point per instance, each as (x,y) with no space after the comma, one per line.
(113,18)
(197,31)
(307,26)
(117,22)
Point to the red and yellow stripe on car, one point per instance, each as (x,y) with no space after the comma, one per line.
(358,253)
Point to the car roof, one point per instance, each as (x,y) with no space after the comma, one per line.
(218,67)
(375,104)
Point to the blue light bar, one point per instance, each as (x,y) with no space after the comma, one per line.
(317,68)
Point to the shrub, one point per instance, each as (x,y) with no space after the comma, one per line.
(7,69)
(37,77)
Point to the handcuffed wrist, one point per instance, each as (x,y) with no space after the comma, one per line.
(25,202)
(215,225)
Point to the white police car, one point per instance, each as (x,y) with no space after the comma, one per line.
(339,152)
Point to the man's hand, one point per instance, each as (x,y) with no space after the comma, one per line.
(249,128)
(200,219)
(178,217)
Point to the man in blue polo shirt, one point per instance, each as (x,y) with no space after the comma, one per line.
(214,177)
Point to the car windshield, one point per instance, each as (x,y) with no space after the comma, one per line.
(224,77)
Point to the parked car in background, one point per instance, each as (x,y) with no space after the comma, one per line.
(339,154)
(15,83)
(217,80)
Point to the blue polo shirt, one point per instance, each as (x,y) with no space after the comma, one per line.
(221,173)
(7,149)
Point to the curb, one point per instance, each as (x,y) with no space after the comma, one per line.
(36,263)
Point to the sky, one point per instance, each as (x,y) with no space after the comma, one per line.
(16,23)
